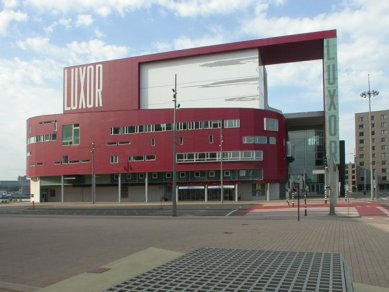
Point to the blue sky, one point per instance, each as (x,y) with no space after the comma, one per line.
(38,38)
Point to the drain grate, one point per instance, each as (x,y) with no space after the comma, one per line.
(216,269)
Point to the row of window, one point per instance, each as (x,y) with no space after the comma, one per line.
(362,163)
(181,126)
(382,116)
(383,132)
(42,138)
(218,156)
(181,174)
(269,125)
(200,157)
(258,140)
(71,133)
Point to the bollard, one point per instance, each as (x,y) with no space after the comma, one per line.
(33,204)
(293,199)
(325,198)
(305,205)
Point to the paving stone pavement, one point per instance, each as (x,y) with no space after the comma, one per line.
(41,250)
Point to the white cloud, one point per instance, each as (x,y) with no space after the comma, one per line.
(184,8)
(186,42)
(9,16)
(84,20)
(28,89)
(74,52)
(204,7)
(94,50)
(10,4)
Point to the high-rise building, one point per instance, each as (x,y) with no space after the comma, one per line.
(379,147)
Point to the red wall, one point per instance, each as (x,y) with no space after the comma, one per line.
(95,126)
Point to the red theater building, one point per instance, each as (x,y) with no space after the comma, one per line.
(114,139)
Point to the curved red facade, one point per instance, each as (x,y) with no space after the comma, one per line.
(46,158)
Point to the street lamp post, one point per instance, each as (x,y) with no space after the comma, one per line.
(92,151)
(221,165)
(369,94)
(174,185)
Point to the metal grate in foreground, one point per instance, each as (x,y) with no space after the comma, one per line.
(216,269)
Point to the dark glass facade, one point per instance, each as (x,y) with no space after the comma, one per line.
(307,148)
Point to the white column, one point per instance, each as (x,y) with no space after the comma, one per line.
(119,187)
(267,187)
(206,193)
(62,189)
(146,187)
(236,192)
(35,189)
(177,192)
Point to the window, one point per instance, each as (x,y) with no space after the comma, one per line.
(197,174)
(383,132)
(182,174)
(210,139)
(181,140)
(211,173)
(384,147)
(361,127)
(137,158)
(361,163)
(71,134)
(361,141)
(383,117)
(65,159)
(272,140)
(384,178)
(361,148)
(168,175)
(361,134)
(383,170)
(141,176)
(231,123)
(114,159)
(152,142)
(372,133)
(383,162)
(271,124)
(248,139)
(149,157)
(227,173)
(260,140)
(124,143)
(383,124)
(360,119)
(383,139)
(154,175)
(242,172)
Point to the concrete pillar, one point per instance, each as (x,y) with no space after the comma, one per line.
(62,189)
(119,187)
(146,187)
(206,193)
(236,192)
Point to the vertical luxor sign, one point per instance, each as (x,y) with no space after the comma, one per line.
(331,98)
(83,87)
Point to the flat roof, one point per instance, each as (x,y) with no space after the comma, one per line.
(302,119)
(275,50)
